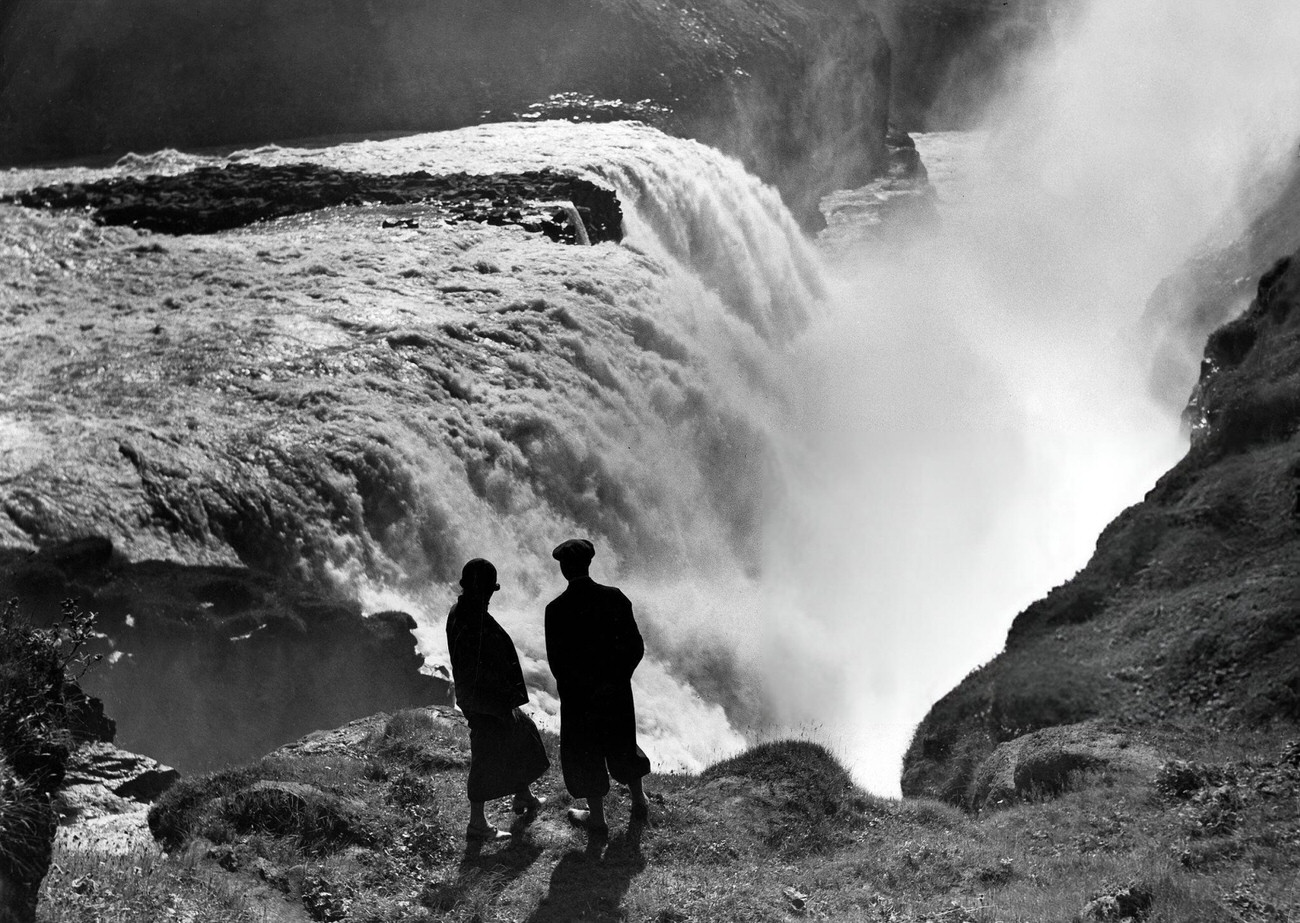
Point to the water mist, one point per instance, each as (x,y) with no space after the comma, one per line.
(971,412)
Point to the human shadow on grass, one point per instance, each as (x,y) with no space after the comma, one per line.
(481,877)
(590,883)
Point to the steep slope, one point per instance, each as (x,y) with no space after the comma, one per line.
(798,88)
(1188,614)
(1217,285)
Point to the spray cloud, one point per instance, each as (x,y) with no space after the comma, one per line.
(972,414)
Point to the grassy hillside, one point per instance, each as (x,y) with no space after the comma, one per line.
(1188,614)
(365,823)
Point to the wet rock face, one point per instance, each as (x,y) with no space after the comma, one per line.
(209,665)
(797,88)
(211,199)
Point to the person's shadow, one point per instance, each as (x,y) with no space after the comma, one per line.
(590,883)
(481,877)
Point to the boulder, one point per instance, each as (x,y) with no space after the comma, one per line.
(1042,763)
(102,779)
(128,775)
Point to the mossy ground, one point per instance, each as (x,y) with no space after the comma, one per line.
(778,833)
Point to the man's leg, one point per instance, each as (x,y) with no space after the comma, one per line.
(640,806)
(595,813)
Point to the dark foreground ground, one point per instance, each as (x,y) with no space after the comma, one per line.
(365,823)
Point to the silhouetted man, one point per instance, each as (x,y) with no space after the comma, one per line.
(593,646)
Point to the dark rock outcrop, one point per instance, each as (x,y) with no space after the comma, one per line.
(797,88)
(1186,613)
(210,199)
(194,651)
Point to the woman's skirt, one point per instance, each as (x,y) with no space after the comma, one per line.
(506,754)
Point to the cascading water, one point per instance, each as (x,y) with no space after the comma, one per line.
(647,417)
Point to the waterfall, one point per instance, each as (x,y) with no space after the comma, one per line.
(640,402)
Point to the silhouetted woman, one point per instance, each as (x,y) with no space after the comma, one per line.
(506,752)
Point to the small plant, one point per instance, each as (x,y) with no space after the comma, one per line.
(1183,778)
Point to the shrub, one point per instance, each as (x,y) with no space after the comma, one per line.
(1183,778)
(321,822)
(1258,415)
(185,810)
(406,740)
(410,724)
(38,667)
(818,793)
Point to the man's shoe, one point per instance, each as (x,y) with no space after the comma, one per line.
(485,834)
(527,804)
(581,818)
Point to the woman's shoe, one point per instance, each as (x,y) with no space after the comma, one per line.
(485,834)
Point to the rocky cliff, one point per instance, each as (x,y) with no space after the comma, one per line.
(1188,614)
(797,88)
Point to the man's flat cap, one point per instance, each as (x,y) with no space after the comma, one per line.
(575,549)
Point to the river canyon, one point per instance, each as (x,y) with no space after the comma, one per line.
(828,469)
